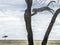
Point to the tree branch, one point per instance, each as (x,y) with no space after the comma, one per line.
(44,42)
(45,8)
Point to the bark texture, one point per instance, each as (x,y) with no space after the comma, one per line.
(27,18)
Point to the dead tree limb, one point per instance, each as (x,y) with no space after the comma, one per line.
(44,42)
(45,8)
(27,18)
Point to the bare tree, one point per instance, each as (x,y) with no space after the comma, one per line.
(27,17)
(44,42)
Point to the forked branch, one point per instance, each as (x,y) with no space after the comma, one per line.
(45,8)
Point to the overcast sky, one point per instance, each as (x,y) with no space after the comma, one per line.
(19,3)
(12,20)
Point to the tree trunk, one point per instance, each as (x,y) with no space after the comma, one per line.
(44,42)
(27,17)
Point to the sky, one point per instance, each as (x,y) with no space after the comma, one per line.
(12,21)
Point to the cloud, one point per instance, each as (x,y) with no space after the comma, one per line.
(12,22)
(12,1)
(18,4)
(12,4)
